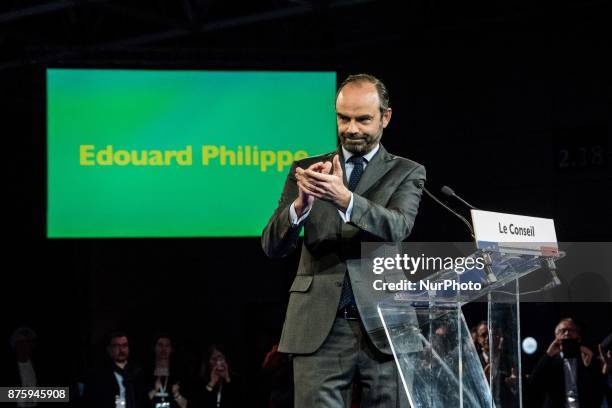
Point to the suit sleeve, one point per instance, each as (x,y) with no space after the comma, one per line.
(540,380)
(279,237)
(392,222)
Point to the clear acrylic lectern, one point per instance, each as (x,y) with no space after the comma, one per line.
(436,357)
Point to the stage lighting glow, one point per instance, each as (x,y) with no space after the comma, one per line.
(530,345)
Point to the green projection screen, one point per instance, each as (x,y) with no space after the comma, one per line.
(143,153)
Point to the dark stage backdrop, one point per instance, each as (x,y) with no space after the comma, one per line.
(500,119)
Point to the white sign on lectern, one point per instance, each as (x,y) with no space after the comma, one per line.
(513,233)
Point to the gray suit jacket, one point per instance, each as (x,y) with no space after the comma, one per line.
(385,204)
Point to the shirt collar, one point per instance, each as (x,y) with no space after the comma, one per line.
(347,155)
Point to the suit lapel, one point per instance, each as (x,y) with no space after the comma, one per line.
(381,163)
(343,165)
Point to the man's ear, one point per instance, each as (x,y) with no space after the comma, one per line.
(386,117)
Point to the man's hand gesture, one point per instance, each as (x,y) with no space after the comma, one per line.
(324,186)
(305,199)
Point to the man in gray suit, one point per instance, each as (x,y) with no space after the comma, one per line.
(360,193)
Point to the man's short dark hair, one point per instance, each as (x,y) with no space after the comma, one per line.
(116,334)
(383,94)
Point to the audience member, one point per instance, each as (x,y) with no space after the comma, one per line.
(498,367)
(219,389)
(474,335)
(565,376)
(165,376)
(21,370)
(278,369)
(440,341)
(119,383)
(482,337)
(605,354)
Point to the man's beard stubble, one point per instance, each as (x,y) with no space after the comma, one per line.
(366,142)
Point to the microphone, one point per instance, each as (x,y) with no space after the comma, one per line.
(421,184)
(491,278)
(449,192)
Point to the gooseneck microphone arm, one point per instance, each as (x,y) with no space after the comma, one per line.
(490,275)
(449,192)
(487,257)
(420,184)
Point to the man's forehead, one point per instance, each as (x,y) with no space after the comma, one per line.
(358,96)
(119,340)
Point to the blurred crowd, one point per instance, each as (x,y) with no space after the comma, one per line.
(166,380)
(568,374)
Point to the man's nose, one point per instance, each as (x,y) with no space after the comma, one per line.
(352,127)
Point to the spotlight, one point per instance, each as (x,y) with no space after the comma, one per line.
(530,345)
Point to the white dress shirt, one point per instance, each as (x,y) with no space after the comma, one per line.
(28,379)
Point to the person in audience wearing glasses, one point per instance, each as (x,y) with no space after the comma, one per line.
(567,376)
(119,382)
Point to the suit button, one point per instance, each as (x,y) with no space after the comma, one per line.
(338,283)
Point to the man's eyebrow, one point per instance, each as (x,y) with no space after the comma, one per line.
(360,117)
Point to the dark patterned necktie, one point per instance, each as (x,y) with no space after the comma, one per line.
(357,172)
(347,298)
